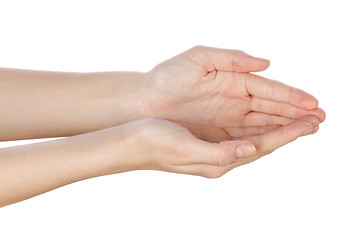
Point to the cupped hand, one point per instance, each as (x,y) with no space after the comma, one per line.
(163,145)
(214,87)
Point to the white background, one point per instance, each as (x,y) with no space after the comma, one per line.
(307,190)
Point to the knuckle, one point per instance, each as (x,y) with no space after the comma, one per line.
(291,93)
(219,158)
(237,62)
(269,91)
(283,134)
(255,104)
(235,67)
(220,162)
(241,52)
(197,48)
(213,174)
(280,108)
(257,141)
(198,53)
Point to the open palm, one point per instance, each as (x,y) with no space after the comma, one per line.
(179,149)
(214,87)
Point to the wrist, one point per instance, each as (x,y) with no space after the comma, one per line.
(123,147)
(150,98)
(130,96)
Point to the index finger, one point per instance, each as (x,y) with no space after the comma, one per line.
(276,91)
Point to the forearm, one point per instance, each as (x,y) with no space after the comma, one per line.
(29,170)
(38,104)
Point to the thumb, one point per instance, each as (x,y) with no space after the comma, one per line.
(224,153)
(228,60)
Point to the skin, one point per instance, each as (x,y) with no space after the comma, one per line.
(156,144)
(218,90)
(203,86)
(201,113)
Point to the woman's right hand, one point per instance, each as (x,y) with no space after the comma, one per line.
(29,170)
(163,145)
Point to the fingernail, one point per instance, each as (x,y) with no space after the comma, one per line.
(315,127)
(245,150)
(308,131)
(315,124)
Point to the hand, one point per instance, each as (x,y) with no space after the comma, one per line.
(144,144)
(163,145)
(213,87)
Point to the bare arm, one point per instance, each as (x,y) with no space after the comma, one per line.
(203,86)
(37,104)
(29,170)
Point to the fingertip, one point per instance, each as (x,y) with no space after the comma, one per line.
(303,99)
(307,128)
(319,113)
(309,102)
(258,63)
(312,119)
(315,126)
(316,129)
(266,61)
(261,64)
(323,115)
